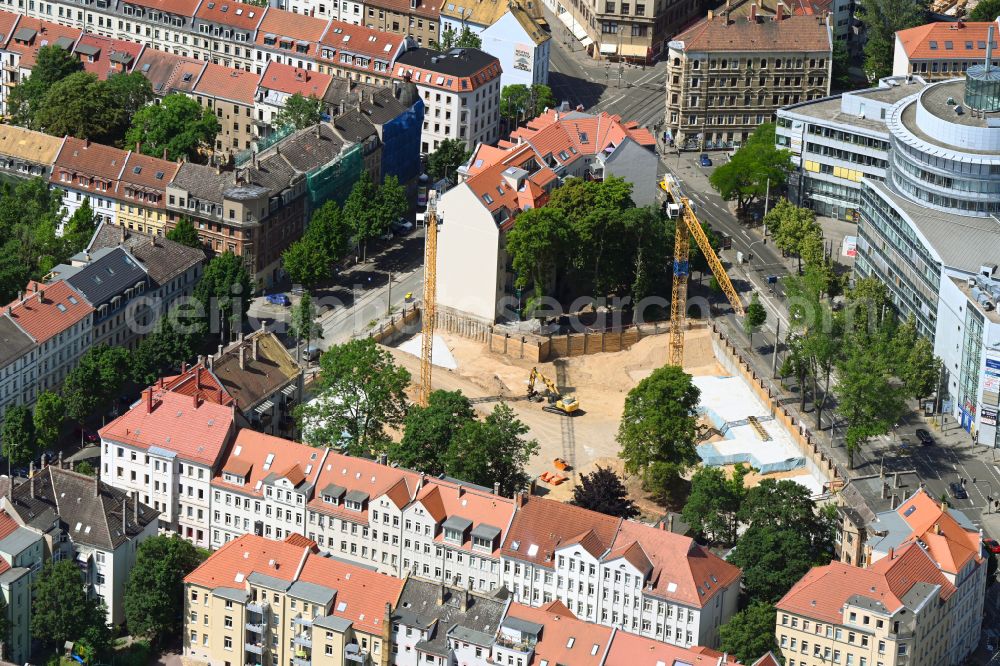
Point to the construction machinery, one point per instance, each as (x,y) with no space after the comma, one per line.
(557,402)
(688,226)
(429,313)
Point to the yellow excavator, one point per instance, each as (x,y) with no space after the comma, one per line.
(558,403)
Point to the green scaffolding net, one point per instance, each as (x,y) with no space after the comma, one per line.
(334,179)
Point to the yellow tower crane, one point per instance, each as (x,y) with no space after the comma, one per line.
(688,226)
(430,300)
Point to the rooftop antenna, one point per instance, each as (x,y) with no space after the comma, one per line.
(989,49)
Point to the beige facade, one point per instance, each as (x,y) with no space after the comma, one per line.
(626,29)
(726,77)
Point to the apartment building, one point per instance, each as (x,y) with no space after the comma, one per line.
(474,279)
(141,193)
(166,450)
(22,553)
(551,633)
(60,321)
(230,93)
(167,26)
(618,573)
(18,361)
(84,520)
(25,153)
(261,601)
(417,19)
(23,36)
(225,34)
(278,83)
(360,54)
(169,72)
(725,77)
(105,56)
(88,171)
(461,93)
(625,31)
(290,39)
(943,50)
(515,32)
(917,598)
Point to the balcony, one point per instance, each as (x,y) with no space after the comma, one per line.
(254,648)
(523,647)
(354,655)
(303,640)
(300,621)
(301,661)
(256,607)
(255,627)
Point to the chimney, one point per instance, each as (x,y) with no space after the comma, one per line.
(255,347)
(895,479)
(138,147)
(97,486)
(210,362)
(149,400)
(711,14)
(220,351)
(670,522)
(893,502)
(243,357)
(521,498)
(420,482)
(86,142)
(885,490)
(383,459)
(779,12)
(461,490)
(164,153)
(937,528)
(892,553)
(467,595)
(61,460)
(496,487)
(135,507)
(124,234)
(124,513)
(194,398)
(441,593)
(753,12)
(184,367)
(31,478)
(41,295)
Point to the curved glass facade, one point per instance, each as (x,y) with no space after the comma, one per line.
(982,88)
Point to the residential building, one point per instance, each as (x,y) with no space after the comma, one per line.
(461,93)
(360,54)
(396,113)
(513,31)
(25,153)
(141,193)
(230,93)
(416,19)
(103,56)
(166,449)
(60,321)
(268,601)
(22,552)
(943,49)
(88,522)
(18,365)
(551,634)
(631,650)
(24,35)
(474,277)
(278,83)
(624,31)
(289,39)
(169,72)
(725,77)
(89,171)
(226,37)
(860,500)
(618,573)
(836,141)
(917,601)
(167,26)
(437,624)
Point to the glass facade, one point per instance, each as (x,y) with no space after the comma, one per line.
(968,375)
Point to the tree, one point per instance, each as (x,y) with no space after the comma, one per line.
(303,325)
(225,290)
(841,80)
(80,105)
(361,392)
(450,154)
(361,212)
(327,239)
(52,64)
(332,230)
(299,112)
(658,427)
(464,39)
(165,347)
(306,263)
(604,492)
(985,10)
(429,431)
(178,124)
(48,418)
(390,203)
(755,317)
(916,365)
(96,380)
(749,634)
(492,451)
(86,468)
(714,501)
(791,227)
(521,102)
(185,234)
(5,627)
(18,435)
(128,94)
(883,19)
(61,609)
(867,305)
(154,593)
(79,228)
(536,245)
(744,178)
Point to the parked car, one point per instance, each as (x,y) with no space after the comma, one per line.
(402,227)
(925,437)
(992,545)
(705,160)
(279,299)
(311,353)
(957,490)
(88,436)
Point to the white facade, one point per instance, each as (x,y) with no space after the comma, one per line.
(58,355)
(523,60)
(104,208)
(472,116)
(108,571)
(18,381)
(23,551)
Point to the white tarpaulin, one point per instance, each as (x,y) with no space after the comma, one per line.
(575,26)
(440,354)
(607,48)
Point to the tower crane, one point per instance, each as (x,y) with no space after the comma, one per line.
(688,226)
(430,300)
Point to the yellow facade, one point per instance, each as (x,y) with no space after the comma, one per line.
(141,218)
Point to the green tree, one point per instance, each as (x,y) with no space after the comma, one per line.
(48,418)
(916,365)
(772,559)
(868,305)
(86,468)
(714,502)
(30,215)
(178,124)
(154,593)
(79,105)
(450,154)
(361,212)
(306,263)
(985,10)
(519,102)
(883,19)
(792,227)
(303,326)
(332,230)
(841,80)
(755,317)
(536,244)
(658,427)
(299,112)
(165,347)
(360,392)
(80,228)
(429,431)
(95,381)
(744,178)
(128,94)
(451,38)
(18,435)
(185,234)
(604,492)
(492,451)
(52,64)
(749,634)
(390,203)
(61,609)
(225,290)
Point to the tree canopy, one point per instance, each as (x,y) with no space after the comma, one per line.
(429,431)
(713,504)
(86,107)
(745,176)
(185,234)
(519,102)
(52,64)
(18,435)
(985,10)
(603,491)
(225,290)
(96,380)
(48,418)
(309,260)
(299,112)
(61,609)
(178,125)
(883,19)
(154,593)
(450,154)
(492,451)
(749,634)
(792,227)
(461,39)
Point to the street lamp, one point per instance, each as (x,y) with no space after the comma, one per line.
(989,493)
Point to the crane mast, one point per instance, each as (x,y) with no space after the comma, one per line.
(430,300)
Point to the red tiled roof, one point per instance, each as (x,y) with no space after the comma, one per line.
(195,430)
(234,14)
(553,132)
(444,499)
(291,80)
(950,544)
(293,27)
(221,82)
(632,650)
(197,380)
(767,660)
(115,55)
(806,34)
(7,22)
(368,476)
(565,639)
(82,165)
(916,42)
(252,450)
(361,593)
(48,309)
(301,541)
(7,525)
(360,40)
(542,525)
(47,33)
(230,565)
(177,7)
(149,183)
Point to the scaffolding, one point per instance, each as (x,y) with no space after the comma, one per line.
(401,144)
(262,144)
(335,179)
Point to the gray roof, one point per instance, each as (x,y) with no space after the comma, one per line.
(457,62)
(457,523)
(106,276)
(88,49)
(89,511)
(24,35)
(162,258)
(435,647)
(333,490)
(270,582)
(64,43)
(314,594)
(232,593)
(18,540)
(484,531)
(889,530)
(418,602)
(963,242)
(14,343)
(333,623)
(354,125)
(11,575)
(357,496)
(523,626)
